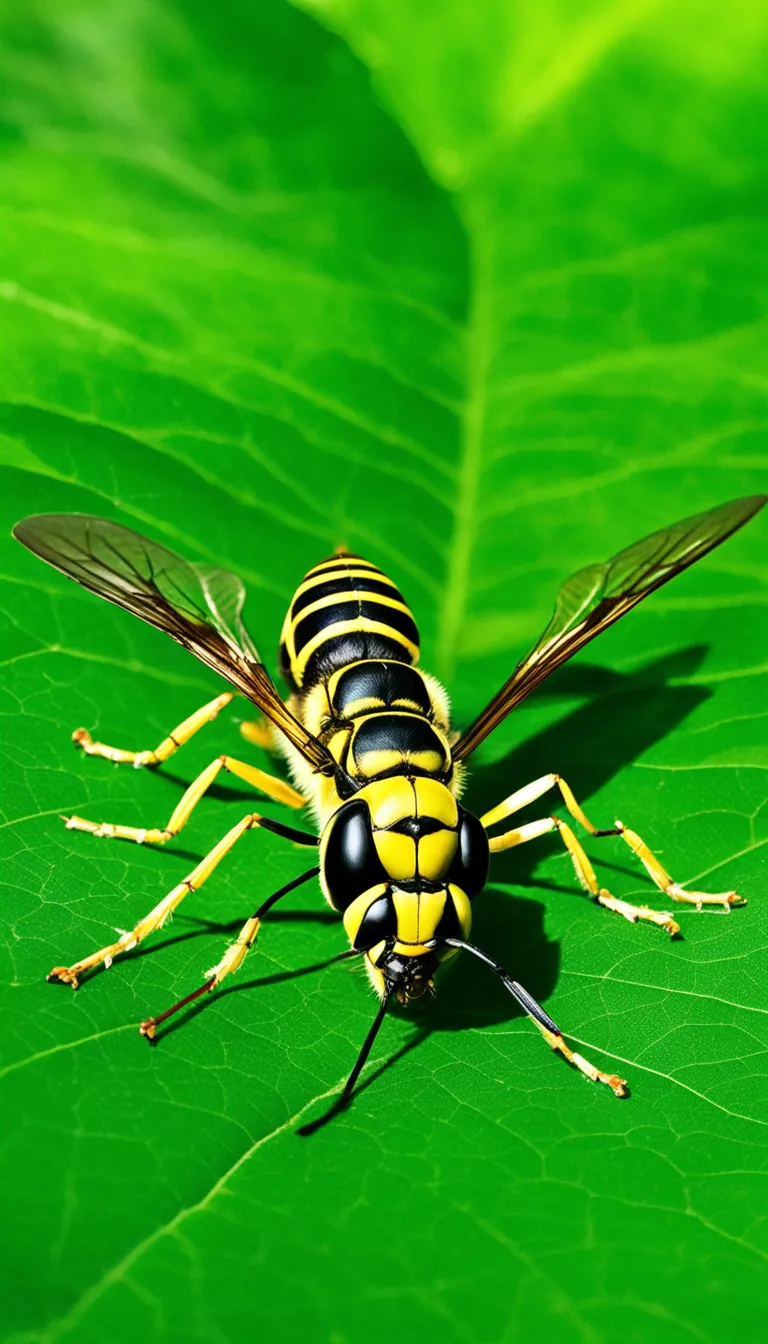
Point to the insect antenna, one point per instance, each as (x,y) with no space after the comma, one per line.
(342,1102)
(549,1029)
(526,1000)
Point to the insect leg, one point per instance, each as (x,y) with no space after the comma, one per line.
(69,975)
(170,744)
(269,784)
(518,800)
(258,732)
(585,873)
(656,871)
(549,1029)
(653,867)
(663,880)
(233,957)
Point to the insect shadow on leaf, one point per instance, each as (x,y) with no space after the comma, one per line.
(261,982)
(626,714)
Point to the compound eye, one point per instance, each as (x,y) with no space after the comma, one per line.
(350,862)
(469,869)
(378,922)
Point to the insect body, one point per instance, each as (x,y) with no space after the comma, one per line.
(368,742)
(399,857)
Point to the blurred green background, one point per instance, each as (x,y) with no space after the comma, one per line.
(481,292)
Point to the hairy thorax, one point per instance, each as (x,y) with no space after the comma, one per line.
(379,719)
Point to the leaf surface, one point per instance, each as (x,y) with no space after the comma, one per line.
(480,295)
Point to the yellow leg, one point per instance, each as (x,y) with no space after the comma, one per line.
(233,957)
(69,975)
(548,1028)
(170,744)
(617,1085)
(231,961)
(274,788)
(664,882)
(584,870)
(585,873)
(259,733)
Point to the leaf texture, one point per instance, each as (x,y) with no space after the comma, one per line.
(478,293)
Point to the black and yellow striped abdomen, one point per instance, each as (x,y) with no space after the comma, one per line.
(344,610)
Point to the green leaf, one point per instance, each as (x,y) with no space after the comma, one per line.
(480,293)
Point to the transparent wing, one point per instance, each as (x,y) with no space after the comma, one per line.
(595,597)
(197,605)
(224,594)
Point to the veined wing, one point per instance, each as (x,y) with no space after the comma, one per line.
(595,597)
(197,605)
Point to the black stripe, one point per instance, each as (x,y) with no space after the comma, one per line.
(341,650)
(405,733)
(449,925)
(345,585)
(417,826)
(284,663)
(378,922)
(325,567)
(382,681)
(311,625)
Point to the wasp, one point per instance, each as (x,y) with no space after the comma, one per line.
(368,744)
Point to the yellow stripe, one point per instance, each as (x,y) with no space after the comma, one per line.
(355,913)
(431,907)
(463,909)
(376,762)
(406,905)
(334,599)
(315,581)
(360,625)
(339,562)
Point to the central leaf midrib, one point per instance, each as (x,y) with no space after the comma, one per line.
(477,363)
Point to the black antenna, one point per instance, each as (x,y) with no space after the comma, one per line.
(526,1000)
(343,1101)
(549,1029)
